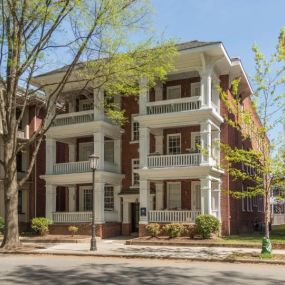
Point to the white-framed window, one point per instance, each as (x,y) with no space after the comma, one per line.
(173,92)
(174,143)
(195,196)
(109,150)
(109,198)
(195,89)
(87,199)
(135,176)
(86,105)
(135,130)
(195,140)
(85,149)
(174,195)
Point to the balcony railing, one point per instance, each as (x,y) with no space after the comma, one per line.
(80,167)
(174,105)
(73,118)
(171,216)
(21,134)
(173,160)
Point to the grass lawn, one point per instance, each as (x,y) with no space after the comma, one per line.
(277,235)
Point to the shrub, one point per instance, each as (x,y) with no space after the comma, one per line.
(40,225)
(173,230)
(191,230)
(2,225)
(207,225)
(73,230)
(153,229)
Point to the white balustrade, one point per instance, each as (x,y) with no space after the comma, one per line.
(110,167)
(71,167)
(173,160)
(174,105)
(171,216)
(81,217)
(73,118)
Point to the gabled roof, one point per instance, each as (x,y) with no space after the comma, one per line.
(194,44)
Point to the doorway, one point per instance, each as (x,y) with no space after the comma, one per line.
(135,208)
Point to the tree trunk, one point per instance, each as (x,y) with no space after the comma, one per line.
(11,234)
(267,214)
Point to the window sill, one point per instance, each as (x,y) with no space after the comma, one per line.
(133,142)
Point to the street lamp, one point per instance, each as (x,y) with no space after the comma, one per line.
(94,160)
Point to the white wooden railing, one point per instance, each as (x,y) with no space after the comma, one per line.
(171,216)
(278,219)
(174,105)
(73,118)
(188,159)
(80,167)
(21,134)
(81,217)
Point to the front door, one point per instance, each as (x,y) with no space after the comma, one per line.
(135,207)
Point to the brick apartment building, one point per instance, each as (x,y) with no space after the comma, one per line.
(151,170)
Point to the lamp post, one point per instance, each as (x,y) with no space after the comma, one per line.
(94,160)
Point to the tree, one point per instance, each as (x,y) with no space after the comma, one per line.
(258,162)
(93,41)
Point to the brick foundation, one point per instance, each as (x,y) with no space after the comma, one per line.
(142,230)
(103,230)
(126,229)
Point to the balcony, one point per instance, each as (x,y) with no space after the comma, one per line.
(172,106)
(174,160)
(80,167)
(170,216)
(73,118)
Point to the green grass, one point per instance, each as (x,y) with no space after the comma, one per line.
(277,235)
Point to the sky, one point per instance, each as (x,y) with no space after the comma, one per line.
(237,23)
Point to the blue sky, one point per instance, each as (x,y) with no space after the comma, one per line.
(237,23)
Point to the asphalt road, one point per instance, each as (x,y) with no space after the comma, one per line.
(18,269)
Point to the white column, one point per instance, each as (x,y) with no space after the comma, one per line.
(216,146)
(144,146)
(206,88)
(99,148)
(158,89)
(205,130)
(144,200)
(117,205)
(99,202)
(117,153)
(51,158)
(159,144)
(71,199)
(98,104)
(126,212)
(143,97)
(72,152)
(159,196)
(206,207)
(50,200)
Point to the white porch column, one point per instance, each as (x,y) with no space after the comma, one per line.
(206,88)
(99,148)
(72,152)
(143,97)
(159,196)
(98,104)
(158,89)
(117,153)
(50,200)
(205,130)
(144,200)
(216,146)
(126,212)
(51,151)
(144,146)
(71,199)
(219,201)
(99,202)
(206,202)
(159,144)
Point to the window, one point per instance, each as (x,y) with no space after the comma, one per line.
(135,176)
(135,130)
(109,198)
(85,150)
(85,105)
(109,151)
(173,92)
(174,144)
(19,160)
(195,89)
(87,199)
(20,202)
(195,196)
(260,204)
(174,195)
(195,140)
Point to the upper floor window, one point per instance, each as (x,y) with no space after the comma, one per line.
(174,144)
(85,105)
(109,198)
(87,199)
(135,130)
(135,176)
(195,89)
(195,140)
(173,92)
(109,150)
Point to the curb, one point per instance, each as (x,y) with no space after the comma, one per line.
(193,259)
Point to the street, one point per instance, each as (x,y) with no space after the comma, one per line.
(29,269)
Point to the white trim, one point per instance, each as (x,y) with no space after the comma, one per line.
(173,135)
(193,86)
(81,196)
(167,186)
(193,184)
(170,88)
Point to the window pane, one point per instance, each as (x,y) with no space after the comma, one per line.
(173,92)
(174,144)
(109,198)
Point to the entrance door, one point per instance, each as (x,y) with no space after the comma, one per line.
(135,207)
(195,196)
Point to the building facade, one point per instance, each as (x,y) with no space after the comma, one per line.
(163,166)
